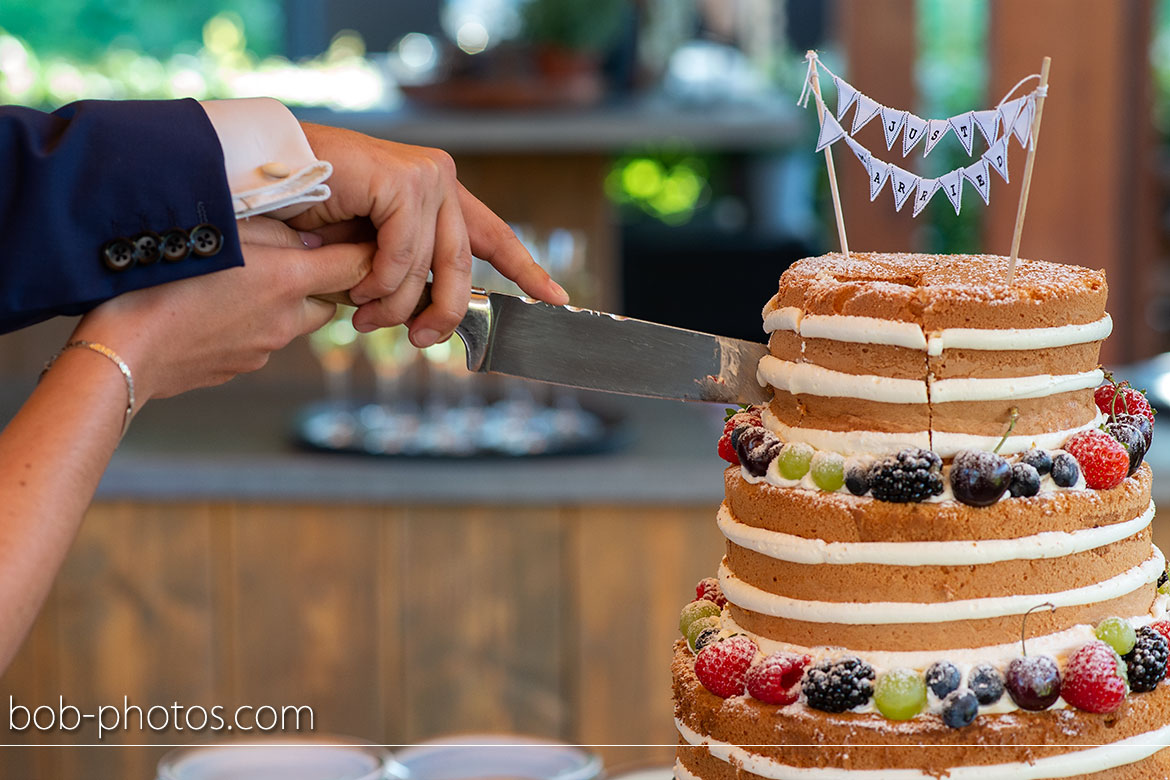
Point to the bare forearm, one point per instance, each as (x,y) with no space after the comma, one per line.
(52,455)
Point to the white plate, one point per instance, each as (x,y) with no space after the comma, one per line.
(497,756)
(315,759)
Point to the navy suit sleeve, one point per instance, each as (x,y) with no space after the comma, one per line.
(94,171)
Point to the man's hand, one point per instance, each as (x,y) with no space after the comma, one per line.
(426,222)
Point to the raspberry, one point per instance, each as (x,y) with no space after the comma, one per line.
(708,588)
(836,686)
(726,451)
(911,475)
(1146,662)
(1162,627)
(1094,678)
(776,678)
(722,667)
(1103,459)
(1113,399)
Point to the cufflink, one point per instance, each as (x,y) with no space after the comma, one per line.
(275,170)
(147,247)
(206,240)
(176,245)
(118,254)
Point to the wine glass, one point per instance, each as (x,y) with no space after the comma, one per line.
(391,419)
(335,346)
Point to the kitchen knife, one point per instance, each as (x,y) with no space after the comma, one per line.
(506,334)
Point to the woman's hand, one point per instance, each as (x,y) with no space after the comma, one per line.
(205,330)
(426,221)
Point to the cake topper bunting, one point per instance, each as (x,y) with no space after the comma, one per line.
(1012,116)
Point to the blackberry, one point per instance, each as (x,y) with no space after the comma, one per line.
(942,678)
(911,475)
(836,686)
(1146,662)
(756,447)
(986,683)
(1040,460)
(1163,578)
(959,708)
(1065,471)
(1025,480)
(857,478)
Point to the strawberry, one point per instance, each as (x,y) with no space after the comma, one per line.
(1103,459)
(1115,399)
(727,451)
(1095,678)
(776,678)
(708,588)
(1162,627)
(722,667)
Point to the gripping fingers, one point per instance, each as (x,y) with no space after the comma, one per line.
(405,239)
(451,289)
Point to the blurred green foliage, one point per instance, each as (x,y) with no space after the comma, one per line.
(84,29)
(578,25)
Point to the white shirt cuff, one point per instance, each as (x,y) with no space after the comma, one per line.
(270,167)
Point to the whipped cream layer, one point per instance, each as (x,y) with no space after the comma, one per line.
(751,598)
(896,333)
(1073,763)
(1051,544)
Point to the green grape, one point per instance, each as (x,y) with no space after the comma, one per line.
(900,694)
(1117,633)
(697,627)
(828,471)
(695,610)
(794,460)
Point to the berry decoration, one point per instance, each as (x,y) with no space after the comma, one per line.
(979,478)
(836,686)
(737,421)
(986,683)
(912,475)
(721,667)
(699,626)
(1102,459)
(1146,662)
(959,709)
(1116,633)
(1133,441)
(943,677)
(1065,471)
(1095,678)
(795,459)
(756,447)
(1162,627)
(726,450)
(708,588)
(857,478)
(695,610)
(1033,682)
(1114,399)
(1037,459)
(705,637)
(1142,423)
(828,471)
(776,678)
(900,694)
(1025,480)
(1164,583)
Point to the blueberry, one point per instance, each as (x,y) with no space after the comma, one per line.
(943,677)
(979,478)
(1132,439)
(1037,459)
(857,479)
(986,683)
(705,637)
(1065,471)
(959,709)
(1025,480)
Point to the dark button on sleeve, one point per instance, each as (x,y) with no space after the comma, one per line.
(118,254)
(176,245)
(147,247)
(206,240)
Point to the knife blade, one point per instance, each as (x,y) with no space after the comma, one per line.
(567,345)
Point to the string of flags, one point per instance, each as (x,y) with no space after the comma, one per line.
(1010,117)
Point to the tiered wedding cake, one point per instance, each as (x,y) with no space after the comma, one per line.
(941,473)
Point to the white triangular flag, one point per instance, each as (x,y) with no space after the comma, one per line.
(831,132)
(867,109)
(892,121)
(988,124)
(964,127)
(878,173)
(925,191)
(980,178)
(1009,111)
(952,186)
(859,151)
(903,183)
(846,95)
(935,130)
(914,132)
(1022,127)
(997,156)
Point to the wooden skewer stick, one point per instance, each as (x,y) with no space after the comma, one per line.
(1027,185)
(816,85)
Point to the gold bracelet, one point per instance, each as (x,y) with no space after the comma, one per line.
(102,349)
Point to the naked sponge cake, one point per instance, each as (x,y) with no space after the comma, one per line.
(939,558)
